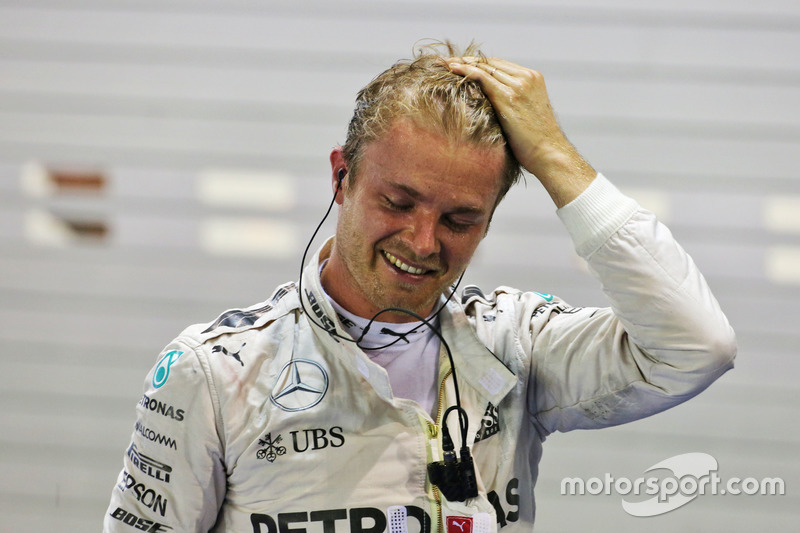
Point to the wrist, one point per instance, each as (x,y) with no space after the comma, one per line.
(563,173)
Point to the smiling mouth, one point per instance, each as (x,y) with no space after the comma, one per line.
(402,266)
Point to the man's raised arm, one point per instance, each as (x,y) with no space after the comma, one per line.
(519,97)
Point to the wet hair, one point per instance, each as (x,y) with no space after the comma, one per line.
(424,90)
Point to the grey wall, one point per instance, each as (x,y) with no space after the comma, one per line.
(690,106)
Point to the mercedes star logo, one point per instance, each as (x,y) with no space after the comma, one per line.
(301,385)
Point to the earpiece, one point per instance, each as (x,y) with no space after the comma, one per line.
(340,175)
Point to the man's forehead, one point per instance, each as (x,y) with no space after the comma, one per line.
(407,135)
(419,162)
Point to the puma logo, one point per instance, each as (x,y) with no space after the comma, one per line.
(221,349)
(459,525)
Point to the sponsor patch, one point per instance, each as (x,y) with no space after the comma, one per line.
(136,522)
(144,495)
(154,436)
(161,408)
(490,423)
(235,355)
(270,448)
(161,373)
(301,385)
(148,465)
(459,524)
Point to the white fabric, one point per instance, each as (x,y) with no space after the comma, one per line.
(410,354)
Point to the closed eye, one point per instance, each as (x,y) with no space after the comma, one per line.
(397,206)
(460,224)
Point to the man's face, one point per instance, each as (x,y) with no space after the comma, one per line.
(411,220)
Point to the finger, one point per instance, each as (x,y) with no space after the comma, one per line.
(501,64)
(492,79)
(504,73)
(474,72)
(506,66)
(497,72)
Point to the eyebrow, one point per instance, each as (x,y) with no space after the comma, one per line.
(406,189)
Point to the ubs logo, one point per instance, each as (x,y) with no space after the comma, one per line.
(301,385)
(317,439)
(302,441)
(271,448)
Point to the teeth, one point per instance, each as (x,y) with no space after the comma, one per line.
(402,266)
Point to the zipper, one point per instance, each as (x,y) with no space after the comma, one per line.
(433,432)
(441,396)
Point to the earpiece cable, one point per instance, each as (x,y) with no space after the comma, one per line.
(462,415)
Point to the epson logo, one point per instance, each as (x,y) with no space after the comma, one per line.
(161,408)
(148,465)
(153,436)
(134,521)
(144,495)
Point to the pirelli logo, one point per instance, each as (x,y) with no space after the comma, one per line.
(148,465)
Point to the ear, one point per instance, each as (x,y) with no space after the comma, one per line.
(338,173)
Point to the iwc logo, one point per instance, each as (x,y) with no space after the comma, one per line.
(301,385)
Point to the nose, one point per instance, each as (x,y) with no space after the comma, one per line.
(421,236)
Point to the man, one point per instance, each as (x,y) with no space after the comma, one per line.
(320,409)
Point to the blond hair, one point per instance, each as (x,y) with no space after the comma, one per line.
(426,91)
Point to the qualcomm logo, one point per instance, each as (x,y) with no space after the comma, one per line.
(301,385)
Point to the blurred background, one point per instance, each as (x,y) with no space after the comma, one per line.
(162,161)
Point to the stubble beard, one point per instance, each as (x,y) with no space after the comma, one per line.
(383,294)
(405,295)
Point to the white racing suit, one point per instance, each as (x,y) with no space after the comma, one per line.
(264,422)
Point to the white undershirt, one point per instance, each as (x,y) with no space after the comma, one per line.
(411,362)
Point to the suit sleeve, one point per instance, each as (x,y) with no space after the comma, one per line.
(663,339)
(173,476)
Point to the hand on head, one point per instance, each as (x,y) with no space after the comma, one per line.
(520,99)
